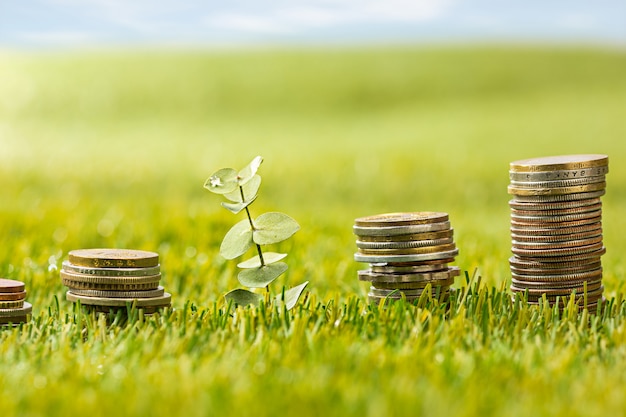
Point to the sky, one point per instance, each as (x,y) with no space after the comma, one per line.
(85,23)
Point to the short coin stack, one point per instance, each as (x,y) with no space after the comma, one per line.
(406,252)
(106,280)
(556,227)
(13,309)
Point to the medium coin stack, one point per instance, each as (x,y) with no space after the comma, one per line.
(406,252)
(106,280)
(13,309)
(556,228)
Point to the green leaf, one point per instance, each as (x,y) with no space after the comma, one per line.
(249,171)
(268,258)
(237,207)
(237,241)
(273,228)
(250,190)
(243,297)
(292,295)
(262,276)
(223,181)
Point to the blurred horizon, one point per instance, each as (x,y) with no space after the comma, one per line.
(54,24)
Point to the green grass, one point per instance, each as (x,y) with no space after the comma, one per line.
(112,148)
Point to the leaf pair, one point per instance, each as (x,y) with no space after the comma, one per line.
(228,180)
(268,228)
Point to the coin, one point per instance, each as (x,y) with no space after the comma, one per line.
(564,276)
(403,244)
(400,230)
(369,275)
(556,238)
(111,272)
(560,163)
(165,299)
(591,289)
(547,220)
(119,294)
(80,285)
(15,320)
(556,245)
(413,285)
(12,296)
(560,226)
(11,286)
(380,292)
(559,175)
(556,271)
(558,183)
(558,205)
(409,251)
(557,212)
(146,311)
(442,234)
(559,198)
(555,284)
(565,252)
(96,279)
(113,258)
(11,304)
(27,308)
(405,258)
(541,230)
(404,269)
(402,219)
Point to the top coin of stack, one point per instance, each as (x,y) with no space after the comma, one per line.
(13,308)
(106,279)
(406,252)
(556,227)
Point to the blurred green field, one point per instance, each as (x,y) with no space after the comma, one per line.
(111,149)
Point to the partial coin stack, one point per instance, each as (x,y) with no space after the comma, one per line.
(112,279)
(13,307)
(556,228)
(406,252)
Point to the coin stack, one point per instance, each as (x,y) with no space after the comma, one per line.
(106,280)
(406,252)
(13,309)
(556,228)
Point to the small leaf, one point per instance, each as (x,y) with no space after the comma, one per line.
(268,258)
(262,276)
(237,207)
(243,297)
(237,241)
(250,190)
(292,295)
(273,228)
(223,181)
(249,171)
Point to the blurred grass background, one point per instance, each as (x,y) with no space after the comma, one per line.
(111,149)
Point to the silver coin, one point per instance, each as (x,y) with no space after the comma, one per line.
(559,198)
(405,258)
(159,292)
(111,272)
(368,275)
(526,239)
(536,263)
(556,245)
(400,230)
(592,282)
(559,175)
(408,269)
(547,253)
(594,274)
(403,244)
(397,293)
(541,230)
(557,212)
(596,214)
(520,205)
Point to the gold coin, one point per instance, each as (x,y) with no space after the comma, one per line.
(79,285)
(97,279)
(165,299)
(26,309)
(443,234)
(408,269)
(11,304)
(113,258)
(559,175)
(409,251)
(560,163)
(111,272)
(402,219)
(556,191)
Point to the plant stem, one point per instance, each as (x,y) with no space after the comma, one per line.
(258,247)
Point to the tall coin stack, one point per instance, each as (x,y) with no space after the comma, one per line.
(556,228)
(13,309)
(106,280)
(406,252)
